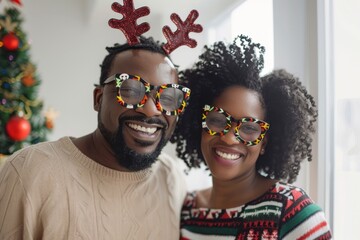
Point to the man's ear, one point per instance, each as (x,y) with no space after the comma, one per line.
(97,96)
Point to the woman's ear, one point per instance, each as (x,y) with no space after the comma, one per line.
(97,96)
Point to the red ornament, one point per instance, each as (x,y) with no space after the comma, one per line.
(49,124)
(18,128)
(28,81)
(11,42)
(18,2)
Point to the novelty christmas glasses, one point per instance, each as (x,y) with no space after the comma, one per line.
(249,131)
(133,92)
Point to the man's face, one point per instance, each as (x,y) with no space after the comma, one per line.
(136,137)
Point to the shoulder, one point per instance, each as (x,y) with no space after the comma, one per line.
(190,198)
(170,164)
(301,217)
(290,192)
(36,159)
(295,200)
(171,168)
(172,172)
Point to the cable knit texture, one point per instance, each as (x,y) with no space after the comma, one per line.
(53,191)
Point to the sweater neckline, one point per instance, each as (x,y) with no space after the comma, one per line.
(191,197)
(97,168)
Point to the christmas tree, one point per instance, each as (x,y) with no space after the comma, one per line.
(22,121)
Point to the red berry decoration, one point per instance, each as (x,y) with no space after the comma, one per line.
(18,128)
(11,42)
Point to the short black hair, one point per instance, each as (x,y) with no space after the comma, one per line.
(289,109)
(146,43)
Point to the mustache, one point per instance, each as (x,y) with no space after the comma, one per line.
(144,120)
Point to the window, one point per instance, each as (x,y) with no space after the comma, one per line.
(346,126)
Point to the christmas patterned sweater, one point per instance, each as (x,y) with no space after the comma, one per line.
(283,212)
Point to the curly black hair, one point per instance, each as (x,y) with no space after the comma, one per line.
(289,109)
(146,43)
(292,114)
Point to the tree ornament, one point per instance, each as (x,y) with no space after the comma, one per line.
(50,116)
(18,128)
(18,2)
(28,81)
(28,69)
(11,42)
(8,24)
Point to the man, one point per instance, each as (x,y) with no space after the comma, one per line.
(112,183)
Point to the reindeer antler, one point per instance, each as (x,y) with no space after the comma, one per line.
(181,35)
(128,23)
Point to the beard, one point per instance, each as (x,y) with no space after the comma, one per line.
(126,156)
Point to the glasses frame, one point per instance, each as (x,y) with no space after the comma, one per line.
(229,120)
(119,78)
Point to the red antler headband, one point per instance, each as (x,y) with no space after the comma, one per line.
(131,30)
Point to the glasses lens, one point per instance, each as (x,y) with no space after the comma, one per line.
(249,131)
(171,99)
(216,121)
(132,91)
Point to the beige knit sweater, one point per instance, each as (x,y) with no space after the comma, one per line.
(53,191)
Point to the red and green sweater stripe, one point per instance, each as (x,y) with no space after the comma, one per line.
(284,212)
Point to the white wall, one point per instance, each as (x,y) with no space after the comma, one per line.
(295,49)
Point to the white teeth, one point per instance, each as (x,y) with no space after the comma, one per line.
(142,129)
(229,156)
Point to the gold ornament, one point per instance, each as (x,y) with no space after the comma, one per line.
(50,115)
(28,69)
(8,24)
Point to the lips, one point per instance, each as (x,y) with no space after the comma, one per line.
(227,156)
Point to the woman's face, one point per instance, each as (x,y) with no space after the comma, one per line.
(226,157)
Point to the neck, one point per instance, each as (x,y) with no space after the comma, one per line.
(96,148)
(237,192)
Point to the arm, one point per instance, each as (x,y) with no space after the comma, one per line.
(12,203)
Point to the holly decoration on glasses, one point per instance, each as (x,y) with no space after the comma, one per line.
(128,23)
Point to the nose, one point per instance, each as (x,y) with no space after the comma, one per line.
(149,108)
(230,138)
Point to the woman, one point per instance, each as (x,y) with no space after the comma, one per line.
(252,133)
